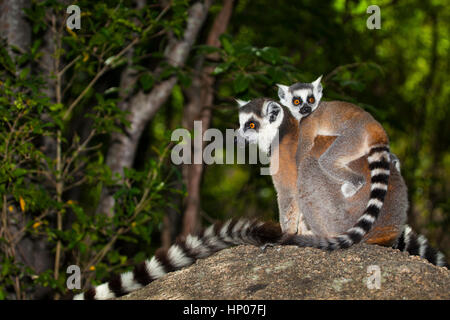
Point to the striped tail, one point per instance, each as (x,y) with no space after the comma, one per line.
(417,245)
(379,165)
(184,253)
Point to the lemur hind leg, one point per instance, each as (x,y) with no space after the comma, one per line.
(334,162)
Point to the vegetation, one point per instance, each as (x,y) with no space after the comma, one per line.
(87,115)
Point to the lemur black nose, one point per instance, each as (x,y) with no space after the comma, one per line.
(305,110)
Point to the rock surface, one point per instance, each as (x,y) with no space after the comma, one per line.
(246,272)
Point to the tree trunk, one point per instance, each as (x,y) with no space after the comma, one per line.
(13,25)
(201,97)
(142,107)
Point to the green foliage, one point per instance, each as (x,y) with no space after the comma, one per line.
(37,183)
(245,70)
(28,178)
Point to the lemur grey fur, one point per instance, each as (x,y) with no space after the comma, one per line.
(389,228)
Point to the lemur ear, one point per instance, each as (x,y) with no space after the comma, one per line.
(317,85)
(272,111)
(282,91)
(241,103)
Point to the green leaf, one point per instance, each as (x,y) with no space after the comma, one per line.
(129,24)
(111,90)
(241,83)
(205,49)
(56,107)
(35,47)
(6,60)
(225,40)
(23,74)
(146,81)
(177,97)
(270,55)
(221,68)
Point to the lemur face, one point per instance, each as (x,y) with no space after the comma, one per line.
(259,121)
(301,98)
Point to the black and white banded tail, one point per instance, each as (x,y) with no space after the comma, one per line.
(184,253)
(379,165)
(417,245)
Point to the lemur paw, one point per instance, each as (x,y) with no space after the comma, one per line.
(266,245)
(349,189)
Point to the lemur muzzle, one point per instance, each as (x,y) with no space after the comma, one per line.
(305,110)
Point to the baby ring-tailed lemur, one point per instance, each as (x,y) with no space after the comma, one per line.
(334,217)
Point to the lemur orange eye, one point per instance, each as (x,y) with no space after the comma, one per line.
(311,100)
(251,125)
(296,101)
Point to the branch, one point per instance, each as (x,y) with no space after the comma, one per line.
(106,67)
(142,107)
(201,94)
(339,68)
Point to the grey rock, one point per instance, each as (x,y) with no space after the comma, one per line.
(289,272)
